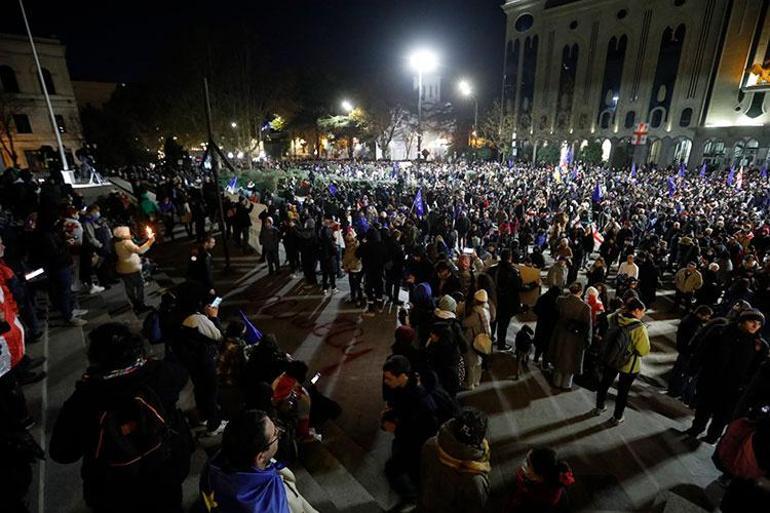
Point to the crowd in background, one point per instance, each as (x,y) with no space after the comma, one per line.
(464,250)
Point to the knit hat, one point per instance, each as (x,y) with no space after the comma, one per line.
(405,335)
(122,232)
(752,315)
(481,296)
(447,303)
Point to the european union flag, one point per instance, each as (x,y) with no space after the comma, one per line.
(418,204)
(731,176)
(332,189)
(633,170)
(763,171)
(253,335)
(597,194)
(682,169)
(671,186)
(703,170)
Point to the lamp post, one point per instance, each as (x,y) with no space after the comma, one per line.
(421,61)
(467,90)
(347,106)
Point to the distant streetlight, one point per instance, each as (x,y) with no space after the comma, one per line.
(466,89)
(421,61)
(347,106)
(234,124)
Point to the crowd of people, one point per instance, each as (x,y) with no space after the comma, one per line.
(464,250)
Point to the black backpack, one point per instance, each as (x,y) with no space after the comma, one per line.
(618,345)
(133,433)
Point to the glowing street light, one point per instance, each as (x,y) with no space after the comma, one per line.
(466,89)
(347,106)
(421,61)
(234,124)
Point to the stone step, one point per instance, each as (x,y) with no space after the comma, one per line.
(366,466)
(349,496)
(313,492)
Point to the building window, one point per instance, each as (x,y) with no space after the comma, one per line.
(8,82)
(622,14)
(605,120)
(60,123)
(656,118)
(524,22)
(686,117)
(21,121)
(48,80)
(630,118)
(573,25)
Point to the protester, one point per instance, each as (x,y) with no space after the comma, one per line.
(123,422)
(243,476)
(541,483)
(571,337)
(627,333)
(455,465)
(129,265)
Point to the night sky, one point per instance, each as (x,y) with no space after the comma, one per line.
(124,40)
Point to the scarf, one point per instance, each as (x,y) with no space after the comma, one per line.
(481,466)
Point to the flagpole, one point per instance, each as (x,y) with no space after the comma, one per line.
(65,166)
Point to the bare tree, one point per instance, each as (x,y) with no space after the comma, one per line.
(496,127)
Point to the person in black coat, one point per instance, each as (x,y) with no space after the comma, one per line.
(648,278)
(372,255)
(508,283)
(200,268)
(730,355)
(328,253)
(118,372)
(689,325)
(442,355)
(547,315)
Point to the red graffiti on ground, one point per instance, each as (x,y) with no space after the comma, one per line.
(343,334)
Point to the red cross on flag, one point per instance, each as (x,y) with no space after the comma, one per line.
(640,134)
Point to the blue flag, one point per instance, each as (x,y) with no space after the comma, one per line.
(570,156)
(682,169)
(510,163)
(763,171)
(573,174)
(332,189)
(671,186)
(232,185)
(597,194)
(703,169)
(253,335)
(731,176)
(633,170)
(417,204)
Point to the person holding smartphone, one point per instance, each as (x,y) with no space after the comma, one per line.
(129,265)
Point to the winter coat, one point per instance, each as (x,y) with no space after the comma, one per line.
(12,346)
(571,336)
(640,339)
(508,281)
(269,239)
(76,435)
(350,262)
(128,257)
(688,282)
(454,475)
(546,312)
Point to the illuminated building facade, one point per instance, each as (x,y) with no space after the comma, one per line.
(21,95)
(591,70)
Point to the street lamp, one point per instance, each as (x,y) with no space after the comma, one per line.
(421,61)
(466,89)
(234,124)
(347,106)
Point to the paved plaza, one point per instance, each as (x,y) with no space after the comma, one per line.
(633,467)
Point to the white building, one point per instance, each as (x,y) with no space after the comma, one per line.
(437,124)
(21,92)
(583,70)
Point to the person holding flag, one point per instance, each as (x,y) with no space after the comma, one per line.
(671,187)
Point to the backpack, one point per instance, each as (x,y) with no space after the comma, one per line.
(619,347)
(734,454)
(133,433)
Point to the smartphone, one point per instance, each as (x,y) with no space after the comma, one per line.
(217,301)
(34,274)
(315,378)
(467,251)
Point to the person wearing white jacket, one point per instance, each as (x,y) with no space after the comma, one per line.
(129,265)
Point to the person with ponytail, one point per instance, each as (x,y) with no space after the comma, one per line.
(541,483)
